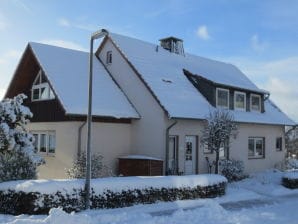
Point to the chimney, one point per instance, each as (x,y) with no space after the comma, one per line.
(172,44)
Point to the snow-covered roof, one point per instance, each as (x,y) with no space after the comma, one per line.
(163,72)
(67,71)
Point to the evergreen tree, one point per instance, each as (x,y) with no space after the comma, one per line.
(17,157)
(219,127)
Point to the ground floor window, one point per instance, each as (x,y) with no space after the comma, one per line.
(45,142)
(256,147)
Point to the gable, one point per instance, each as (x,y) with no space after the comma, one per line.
(66,72)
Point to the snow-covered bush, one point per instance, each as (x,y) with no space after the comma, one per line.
(78,169)
(17,157)
(290,179)
(291,163)
(232,169)
(39,196)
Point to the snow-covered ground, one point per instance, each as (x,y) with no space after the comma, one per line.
(259,200)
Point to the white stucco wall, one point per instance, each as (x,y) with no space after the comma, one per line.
(110,139)
(238,147)
(148,133)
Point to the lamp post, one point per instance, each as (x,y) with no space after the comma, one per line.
(98,34)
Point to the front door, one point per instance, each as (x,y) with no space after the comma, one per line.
(190,155)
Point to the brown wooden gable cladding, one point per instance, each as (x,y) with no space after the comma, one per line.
(43,110)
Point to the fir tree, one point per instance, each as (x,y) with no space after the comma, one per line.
(17,157)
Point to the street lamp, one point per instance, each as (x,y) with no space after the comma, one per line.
(98,34)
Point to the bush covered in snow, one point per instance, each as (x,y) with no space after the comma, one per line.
(17,157)
(78,169)
(290,180)
(232,169)
(18,198)
(291,163)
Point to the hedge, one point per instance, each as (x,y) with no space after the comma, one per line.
(290,180)
(20,202)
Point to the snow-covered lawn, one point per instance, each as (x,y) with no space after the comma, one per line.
(259,200)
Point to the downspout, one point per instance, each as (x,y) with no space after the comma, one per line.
(167,145)
(80,138)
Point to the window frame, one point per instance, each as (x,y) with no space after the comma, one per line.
(39,86)
(47,142)
(109,57)
(255,95)
(235,97)
(228,100)
(255,148)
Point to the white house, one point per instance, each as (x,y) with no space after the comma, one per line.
(149,100)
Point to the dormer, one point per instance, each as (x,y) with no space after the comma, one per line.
(172,44)
(229,97)
(41,89)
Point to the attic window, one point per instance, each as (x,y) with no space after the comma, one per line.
(41,89)
(222,98)
(240,100)
(109,57)
(255,102)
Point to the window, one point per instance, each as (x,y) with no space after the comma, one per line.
(240,101)
(41,89)
(222,150)
(255,102)
(109,57)
(206,148)
(278,144)
(45,142)
(256,147)
(222,98)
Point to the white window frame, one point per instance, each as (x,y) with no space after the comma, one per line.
(225,90)
(255,156)
(39,86)
(109,59)
(47,134)
(258,96)
(235,97)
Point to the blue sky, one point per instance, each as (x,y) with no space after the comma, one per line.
(260,37)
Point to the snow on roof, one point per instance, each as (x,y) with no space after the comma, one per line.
(163,72)
(142,157)
(67,71)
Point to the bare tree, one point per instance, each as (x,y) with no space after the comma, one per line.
(218,128)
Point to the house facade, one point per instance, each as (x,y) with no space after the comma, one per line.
(150,100)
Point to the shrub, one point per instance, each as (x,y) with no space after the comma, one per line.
(78,169)
(20,202)
(290,180)
(15,165)
(232,169)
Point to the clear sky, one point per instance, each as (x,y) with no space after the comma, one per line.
(260,37)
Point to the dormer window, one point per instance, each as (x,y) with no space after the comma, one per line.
(240,101)
(222,98)
(41,89)
(255,102)
(109,57)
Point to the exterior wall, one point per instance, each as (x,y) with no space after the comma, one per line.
(238,147)
(110,139)
(184,128)
(148,133)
